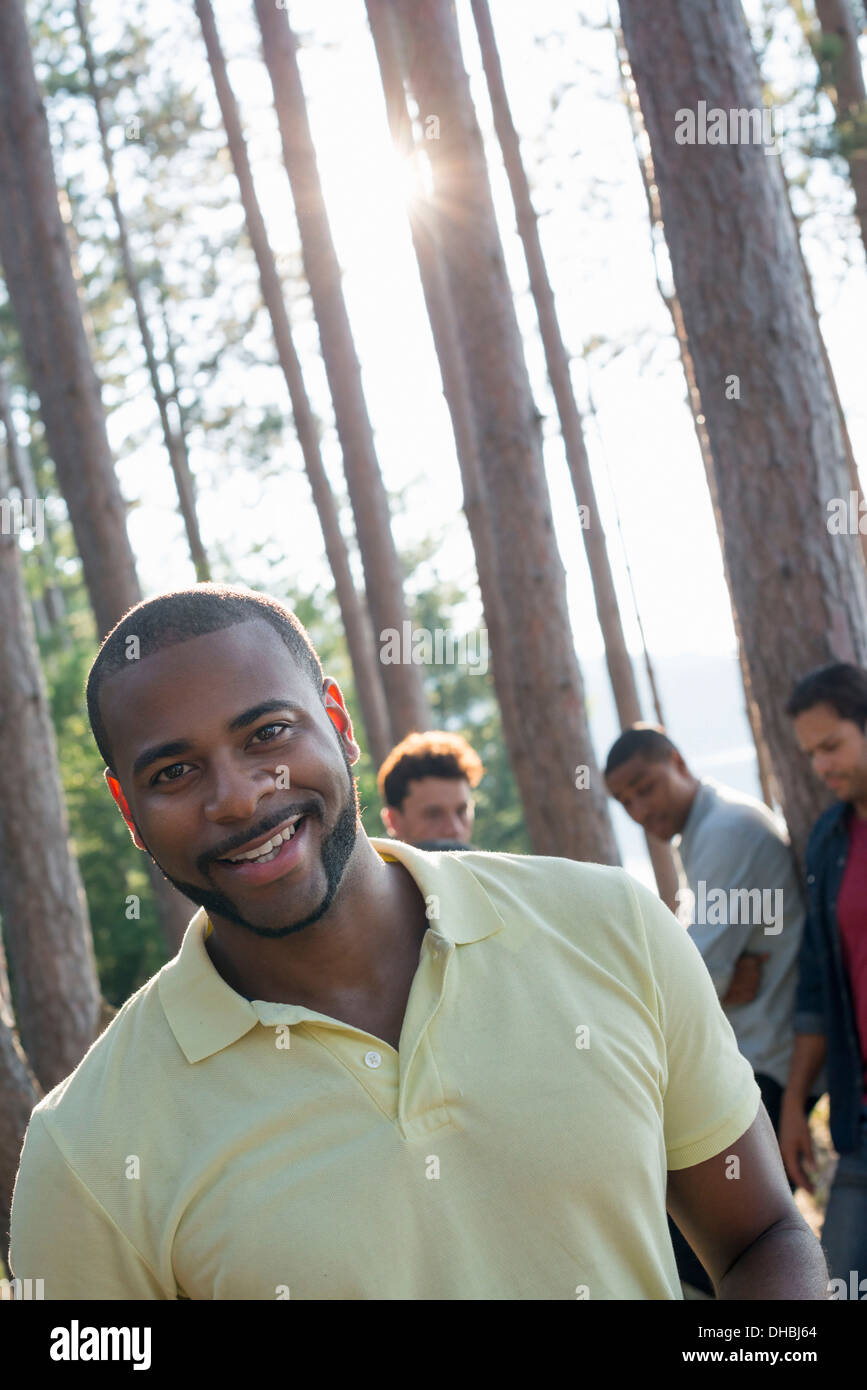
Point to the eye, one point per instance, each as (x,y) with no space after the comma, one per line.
(266,729)
(167,771)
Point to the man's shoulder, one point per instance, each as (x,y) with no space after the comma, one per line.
(829,822)
(539,883)
(732,811)
(496,863)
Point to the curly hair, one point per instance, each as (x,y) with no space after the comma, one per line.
(432,754)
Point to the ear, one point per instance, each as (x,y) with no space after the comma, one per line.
(677,762)
(121,802)
(335,708)
(388,821)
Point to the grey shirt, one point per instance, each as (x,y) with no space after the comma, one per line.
(745,897)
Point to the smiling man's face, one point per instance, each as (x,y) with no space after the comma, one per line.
(223,749)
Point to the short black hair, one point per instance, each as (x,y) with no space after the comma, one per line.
(640,740)
(840,685)
(180,615)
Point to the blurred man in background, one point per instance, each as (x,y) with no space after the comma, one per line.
(829,709)
(427,783)
(744,909)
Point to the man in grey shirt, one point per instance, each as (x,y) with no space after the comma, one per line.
(743,906)
(744,897)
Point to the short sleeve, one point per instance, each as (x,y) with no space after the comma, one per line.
(711,1096)
(61,1235)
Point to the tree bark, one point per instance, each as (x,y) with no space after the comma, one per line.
(360,641)
(175,440)
(19,474)
(840,65)
(549,692)
(45,923)
(620,671)
(19,1092)
(767,777)
(778,452)
(404,687)
(41,286)
(453,373)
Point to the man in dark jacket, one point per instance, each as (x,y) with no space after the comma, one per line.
(829,708)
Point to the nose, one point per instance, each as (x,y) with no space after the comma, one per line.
(234,791)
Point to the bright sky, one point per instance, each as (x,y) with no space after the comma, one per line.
(597,243)
(598,251)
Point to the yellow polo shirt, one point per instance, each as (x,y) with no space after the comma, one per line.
(563,1046)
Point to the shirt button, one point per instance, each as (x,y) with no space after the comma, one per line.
(372,1059)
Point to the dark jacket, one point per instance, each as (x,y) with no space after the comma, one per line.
(824,1003)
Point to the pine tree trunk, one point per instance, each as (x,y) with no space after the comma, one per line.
(404,687)
(45,923)
(19,1092)
(840,63)
(767,778)
(175,441)
(35,258)
(778,452)
(41,286)
(449,352)
(359,637)
(549,692)
(18,474)
(622,676)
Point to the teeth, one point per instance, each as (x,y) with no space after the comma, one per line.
(270,847)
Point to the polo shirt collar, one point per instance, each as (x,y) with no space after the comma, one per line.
(466,913)
(206,1014)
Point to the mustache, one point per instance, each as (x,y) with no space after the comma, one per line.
(306,808)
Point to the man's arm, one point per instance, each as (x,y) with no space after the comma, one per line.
(734,869)
(810,1049)
(746,980)
(740,1219)
(753,861)
(62,1235)
(796,1142)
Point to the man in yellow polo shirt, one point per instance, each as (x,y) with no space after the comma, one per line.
(373,1072)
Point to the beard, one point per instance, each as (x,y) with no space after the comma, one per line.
(336,850)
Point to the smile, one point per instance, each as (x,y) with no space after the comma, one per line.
(284,852)
(267,849)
